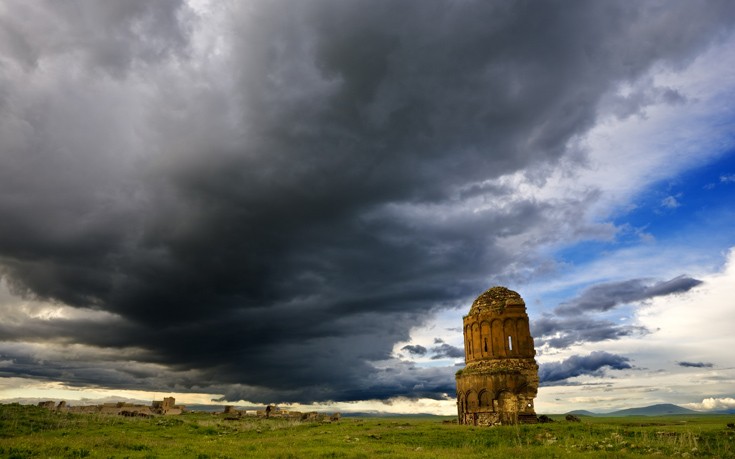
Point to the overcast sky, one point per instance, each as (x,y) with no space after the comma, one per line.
(295,202)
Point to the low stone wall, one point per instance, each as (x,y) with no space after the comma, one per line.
(166,408)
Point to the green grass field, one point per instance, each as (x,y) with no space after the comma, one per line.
(28,431)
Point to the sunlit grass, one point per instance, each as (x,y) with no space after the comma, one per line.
(27,431)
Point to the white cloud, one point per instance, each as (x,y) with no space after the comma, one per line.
(712,404)
(670,202)
(694,326)
(627,155)
(698,323)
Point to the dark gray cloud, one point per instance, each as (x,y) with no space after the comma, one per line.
(603,297)
(267,198)
(695,364)
(641,97)
(106,37)
(562,332)
(446,351)
(416,349)
(593,364)
(581,319)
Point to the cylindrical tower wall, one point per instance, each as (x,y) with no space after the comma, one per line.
(495,335)
(500,379)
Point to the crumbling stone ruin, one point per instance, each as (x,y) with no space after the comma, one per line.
(500,379)
(49,405)
(273,412)
(166,407)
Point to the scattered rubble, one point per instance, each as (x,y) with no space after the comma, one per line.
(273,412)
(168,407)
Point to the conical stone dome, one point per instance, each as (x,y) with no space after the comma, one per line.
(496,299)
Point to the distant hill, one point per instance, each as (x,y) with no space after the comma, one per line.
(661,409)
(654,410)
(583,413)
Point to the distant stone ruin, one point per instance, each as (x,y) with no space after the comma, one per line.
(500,379)
(49,405)
(166,407)
(273,412)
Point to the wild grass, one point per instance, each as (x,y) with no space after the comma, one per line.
(29,432)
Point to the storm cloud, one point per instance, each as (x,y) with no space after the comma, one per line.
(603,297)
(583,320)
(446,351)
(416,349)
(593,364)
(261,199)
(563,332)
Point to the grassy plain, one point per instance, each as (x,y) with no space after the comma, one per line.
(29,432)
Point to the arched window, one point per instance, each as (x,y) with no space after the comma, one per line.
(509,330)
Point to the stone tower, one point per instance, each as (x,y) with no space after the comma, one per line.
(500,379)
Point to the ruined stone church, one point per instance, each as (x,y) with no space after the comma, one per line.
(500,379)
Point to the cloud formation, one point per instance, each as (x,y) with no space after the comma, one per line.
(262,199)
(603,297)
(713,404)
(562,332)
(695,364)
(415,349)
(593,364)
(581,319)
(446,351)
